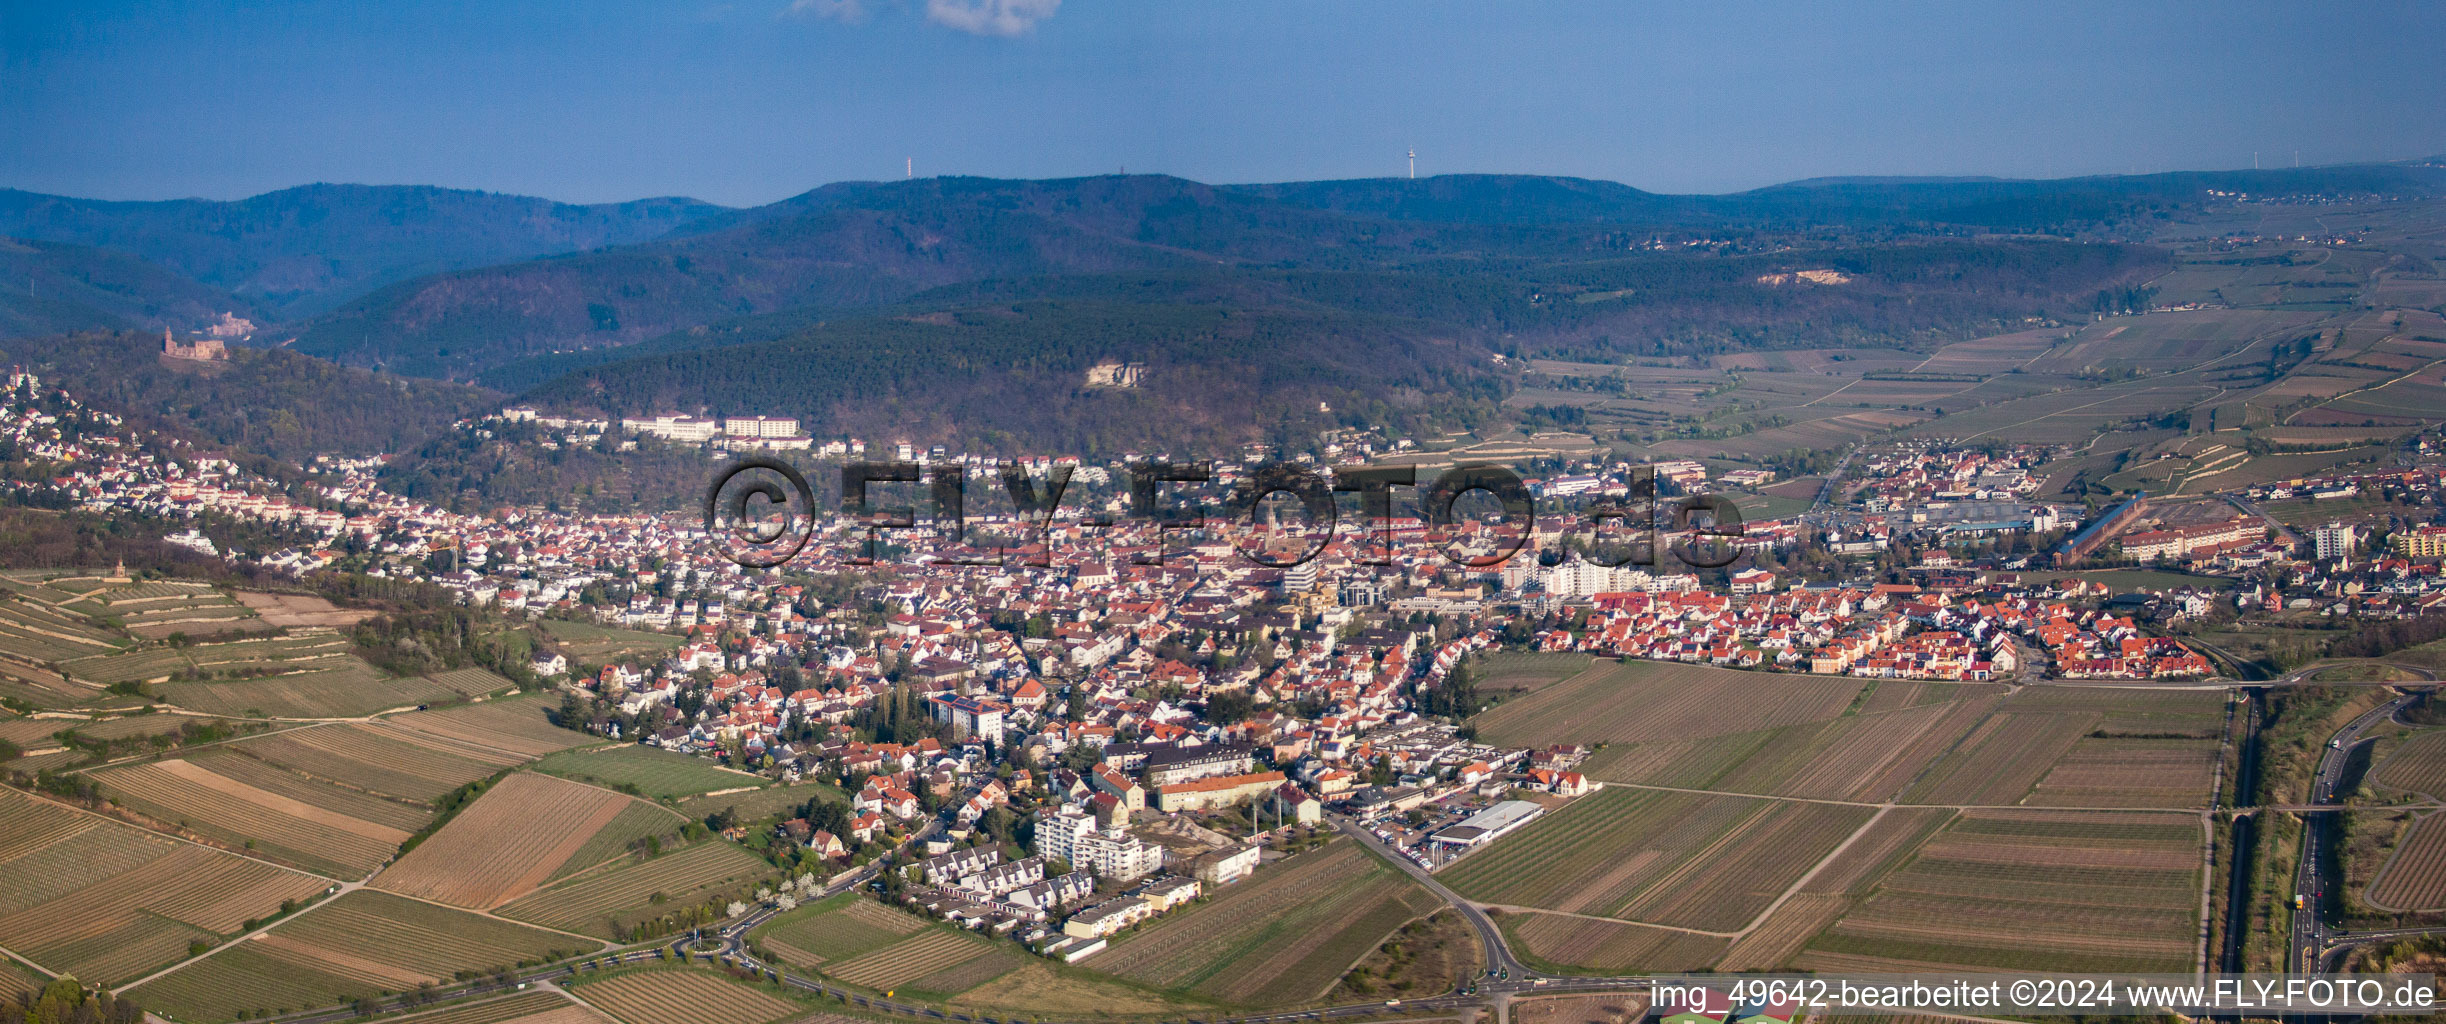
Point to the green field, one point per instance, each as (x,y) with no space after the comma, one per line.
(655,773)
(1527,670)
(352,690)
(756,804)
(836,928)
(602,901)
(1661,857)
(363,944)
(1281,938)
(588,643)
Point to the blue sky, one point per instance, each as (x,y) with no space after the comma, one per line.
(748,101)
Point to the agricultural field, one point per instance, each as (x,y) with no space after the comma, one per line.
(585,642)
(38,633)
(1883,845)
(936,961)
(138,726)
(1584,945)
(347,689)
(152,664)
(362,944)
(1783,932)
(516,725)
(520,834)
(1679,861)
(274,813)
(1869,755)
(251,656)
(301,610)
(1611,1008)
(2030,890)
(2139,771)
(655,773)
(377,758)
(2096,747)
(538,1007)
(58,759)
(1527,671)
(603,901)
(470,682)
(1636,701)
(48,690)
(681,996)
(2164,342)
(2418,766)
(17,979)
(2415,877)
(34,732)
(97,899)
(837,928)
(1039,986)
(193,610)
(1687,860)
(1283,937)
(1732,883)
(756,804)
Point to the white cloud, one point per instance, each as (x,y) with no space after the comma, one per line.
(848,11)
(989,17)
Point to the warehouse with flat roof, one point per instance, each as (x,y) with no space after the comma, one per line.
(1487,825)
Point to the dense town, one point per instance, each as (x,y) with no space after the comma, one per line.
(1142,713)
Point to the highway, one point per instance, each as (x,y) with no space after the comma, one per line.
(2310,935)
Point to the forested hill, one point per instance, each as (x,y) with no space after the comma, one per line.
(1014,377)
(850,246)
(303,250)
(264,402)
(55,288)
(1233,355)
(1640,304)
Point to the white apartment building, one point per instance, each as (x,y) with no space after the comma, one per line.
(1071,835)
(675,428)
(2335,540)
(1576,578)
(1057,835)
(760,426)
(1117,855)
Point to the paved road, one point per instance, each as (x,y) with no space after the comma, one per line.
(2284,534)
(2303,674)
(2341,943)
(1499,959)
(2310,935)
(1834,480)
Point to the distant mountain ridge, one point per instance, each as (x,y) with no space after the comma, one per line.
(1961,201)
(859,245)
(302,250)
(519,292)
(854,246)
